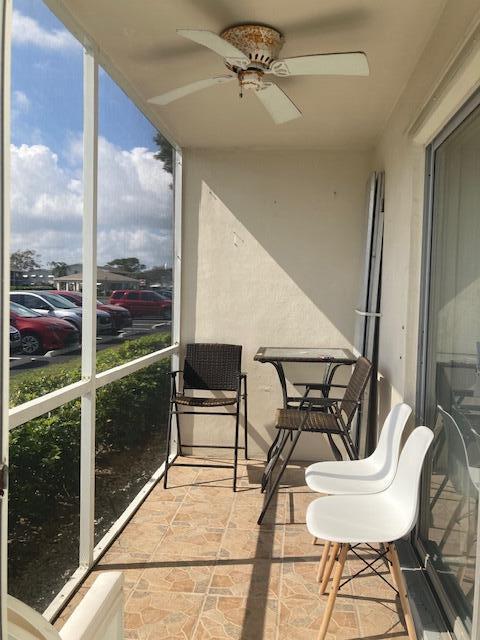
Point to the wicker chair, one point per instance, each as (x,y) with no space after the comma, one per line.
(209,367)
(326,415)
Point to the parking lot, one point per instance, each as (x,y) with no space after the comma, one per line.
(140,327)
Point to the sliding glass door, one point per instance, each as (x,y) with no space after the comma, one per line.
(450,368)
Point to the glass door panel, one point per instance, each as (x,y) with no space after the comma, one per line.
(448,522)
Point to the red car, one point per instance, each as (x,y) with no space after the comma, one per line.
(120,316)
(42,333)
(143,304)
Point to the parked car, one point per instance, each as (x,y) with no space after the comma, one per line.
(39,333)
(142,304)
(15,341)
(121,317)
(47,304)
(166,293)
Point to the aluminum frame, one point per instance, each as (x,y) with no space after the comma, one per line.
(90,381)
(177,276)
(89,316)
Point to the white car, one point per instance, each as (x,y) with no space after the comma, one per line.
(58,306)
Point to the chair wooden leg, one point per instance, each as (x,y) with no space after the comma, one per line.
(314,541)
(384,547)
(329,567)
(334,590)
(323,560)
(402,590)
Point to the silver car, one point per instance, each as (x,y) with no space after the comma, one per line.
(58,306)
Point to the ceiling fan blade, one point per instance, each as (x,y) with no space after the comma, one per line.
(326,64)
(277,103)
(193,87)
(217,44)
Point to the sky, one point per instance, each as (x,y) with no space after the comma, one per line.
(135,199)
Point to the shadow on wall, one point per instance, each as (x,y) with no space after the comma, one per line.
(273,248)
(269,225)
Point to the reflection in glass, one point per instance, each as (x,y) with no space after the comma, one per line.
(454,506)
(449,524)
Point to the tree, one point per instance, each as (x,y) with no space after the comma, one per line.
(165,152)
(127,265)
(58,268)
(25,260)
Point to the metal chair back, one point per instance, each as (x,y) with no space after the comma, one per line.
(355,388)
(212,366)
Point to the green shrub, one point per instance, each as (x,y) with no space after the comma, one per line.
(44,464)
(45,452)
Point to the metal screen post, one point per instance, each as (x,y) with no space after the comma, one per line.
(177,271)
(89,318)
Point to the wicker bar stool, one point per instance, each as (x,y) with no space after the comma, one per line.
(209,367)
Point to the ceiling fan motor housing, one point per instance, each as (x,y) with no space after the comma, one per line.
(261,44)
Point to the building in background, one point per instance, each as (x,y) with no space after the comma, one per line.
(107,281)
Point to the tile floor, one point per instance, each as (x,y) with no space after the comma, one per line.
(197,566)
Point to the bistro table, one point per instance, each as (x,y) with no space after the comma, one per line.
(332,357)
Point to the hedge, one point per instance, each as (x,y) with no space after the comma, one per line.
(45,452)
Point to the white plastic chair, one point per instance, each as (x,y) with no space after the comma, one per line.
(99,616)
(349,520)
(370,475)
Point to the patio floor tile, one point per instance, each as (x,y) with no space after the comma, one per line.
(230,618)
(162,615)
(197,566)
(200,514)
(176,576)
(189,542)
(255,577)
(240,543)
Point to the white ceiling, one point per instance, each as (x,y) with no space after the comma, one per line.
(139,38)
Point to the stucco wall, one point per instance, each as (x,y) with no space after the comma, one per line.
(272,255)
(446,74)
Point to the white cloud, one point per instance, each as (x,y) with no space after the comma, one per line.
(20,101)
(135,203)
(26,30)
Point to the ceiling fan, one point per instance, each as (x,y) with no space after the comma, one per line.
(250,53)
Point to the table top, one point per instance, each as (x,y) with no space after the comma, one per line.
(307,354)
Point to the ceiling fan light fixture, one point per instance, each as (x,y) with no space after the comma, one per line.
(250,79)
